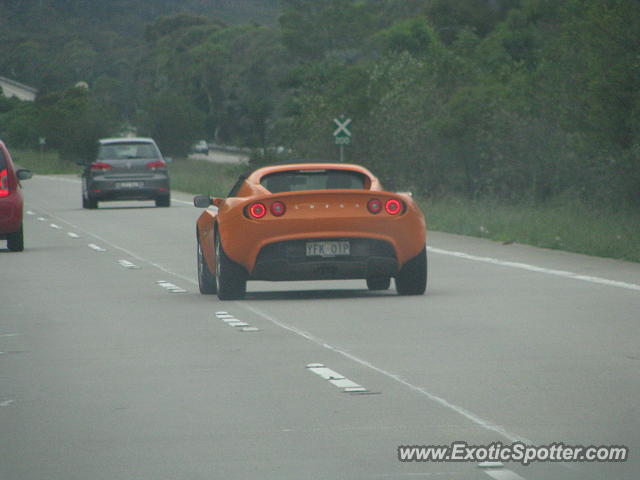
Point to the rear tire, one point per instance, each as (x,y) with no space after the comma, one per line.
(412,277)
(206,280)
(92,203)
(232,278)
(378,283)
(163,201)
(15,241)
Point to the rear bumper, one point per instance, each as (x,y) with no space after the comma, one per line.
(150,188)
(287,260)
(10,215)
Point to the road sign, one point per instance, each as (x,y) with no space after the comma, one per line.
(342,134)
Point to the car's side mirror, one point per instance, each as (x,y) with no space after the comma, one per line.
(23,174)
(202,201)
(217,201)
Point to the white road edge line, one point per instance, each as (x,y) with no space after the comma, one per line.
(534,268)
(485,424)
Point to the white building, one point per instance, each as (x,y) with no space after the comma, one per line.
(11,88)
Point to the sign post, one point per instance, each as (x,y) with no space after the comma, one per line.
(342,134)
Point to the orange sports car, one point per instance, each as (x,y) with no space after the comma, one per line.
(310,221)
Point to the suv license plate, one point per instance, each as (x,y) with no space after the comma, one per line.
(328,249)
(128,184)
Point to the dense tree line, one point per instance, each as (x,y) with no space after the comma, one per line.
(519,99)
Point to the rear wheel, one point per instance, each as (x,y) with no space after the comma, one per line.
(206,280)
(15,241)
(378,283)
(163,201)
(92,203)
(412,277)
(232,278)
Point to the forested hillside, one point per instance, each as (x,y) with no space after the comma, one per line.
(515,99)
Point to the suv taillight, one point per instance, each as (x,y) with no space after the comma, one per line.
(156,165)
(100,167)
(4,183)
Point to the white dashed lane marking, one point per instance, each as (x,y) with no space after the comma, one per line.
(502,474)
(97,248)
(335,378)
(73,235)
(128,264)
(170,286)
(57,227)
(234,322)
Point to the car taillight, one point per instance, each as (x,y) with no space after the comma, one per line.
(374,206)
(100,167)
(4,183)
(278,209)
(156,165)
(257,210)
(393,206)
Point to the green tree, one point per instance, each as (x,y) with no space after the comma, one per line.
(172,121)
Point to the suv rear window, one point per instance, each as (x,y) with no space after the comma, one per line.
(124,151)
(297,180)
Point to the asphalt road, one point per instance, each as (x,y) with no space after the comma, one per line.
(105,373)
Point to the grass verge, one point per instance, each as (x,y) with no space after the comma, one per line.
(46,163)
(563,225)
(201,177)
(568,225)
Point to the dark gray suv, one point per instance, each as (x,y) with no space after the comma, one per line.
(126,169)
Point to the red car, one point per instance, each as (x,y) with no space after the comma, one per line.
(11,201)
(311,221)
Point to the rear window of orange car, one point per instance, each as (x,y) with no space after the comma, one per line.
(297,180)
(3,162)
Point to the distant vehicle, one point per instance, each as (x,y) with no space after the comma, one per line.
(11,202)
(313,221)
(126,169)
(201,147)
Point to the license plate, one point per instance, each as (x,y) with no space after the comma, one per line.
(128,184)
(328,249)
